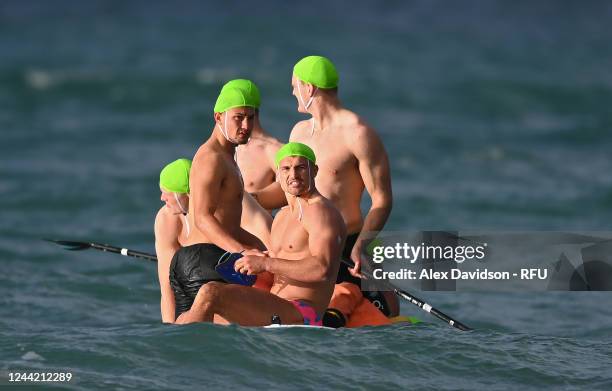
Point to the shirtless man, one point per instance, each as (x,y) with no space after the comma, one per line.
(215,206)
(307,239)
(172,225)
(256,158)
(351,158)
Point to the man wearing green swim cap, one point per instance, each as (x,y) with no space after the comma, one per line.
(256,158)
(306,243)
(172,228)
(351,158)
(215,205)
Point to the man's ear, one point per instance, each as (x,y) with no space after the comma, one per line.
(310,88)
(217,117)
(315,171)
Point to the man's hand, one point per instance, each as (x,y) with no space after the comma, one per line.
(251,264)
(356,258)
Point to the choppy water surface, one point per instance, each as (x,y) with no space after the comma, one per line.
(495,115)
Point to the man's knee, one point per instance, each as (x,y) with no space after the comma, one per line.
(210,293)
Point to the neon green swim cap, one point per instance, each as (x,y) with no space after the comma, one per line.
(318,71)
(235,95)
(174,178)
(246,85)
(295,149)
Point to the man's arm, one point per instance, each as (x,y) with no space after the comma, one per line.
(255,219)
(326,235)
(271,196)
(167,229)
(374,169)
(206,176)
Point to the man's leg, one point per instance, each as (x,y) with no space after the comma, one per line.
(239,304)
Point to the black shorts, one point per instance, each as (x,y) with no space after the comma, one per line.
(376,297)
(190,268)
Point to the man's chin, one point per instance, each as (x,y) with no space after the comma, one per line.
(241,140)
(296,192)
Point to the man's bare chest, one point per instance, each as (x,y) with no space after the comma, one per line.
(333,156)
(232,184)
(253,162)
(288,235)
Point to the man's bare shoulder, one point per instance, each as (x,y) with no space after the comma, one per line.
(255,145)
(167,224)
(300,130)
(323,214)
(267,139)
(280,216)
(282,212)
(264,143)
(272,142)
(206,157)
(354,125)
(359,136)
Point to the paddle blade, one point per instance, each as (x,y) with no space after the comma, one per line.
(70,245)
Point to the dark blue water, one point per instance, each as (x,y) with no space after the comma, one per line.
(496,115)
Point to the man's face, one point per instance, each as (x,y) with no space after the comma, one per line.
(171,203)
(296,175)
(305,95)
(238,125)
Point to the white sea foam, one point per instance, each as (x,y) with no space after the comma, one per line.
(32,356)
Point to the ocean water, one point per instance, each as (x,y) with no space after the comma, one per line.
(496,116)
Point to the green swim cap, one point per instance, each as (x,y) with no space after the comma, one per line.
(318,71)
(235,95)
(246,85)
(295,149)
(174,178)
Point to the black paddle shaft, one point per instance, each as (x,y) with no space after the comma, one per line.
(75,246)
(124,251)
